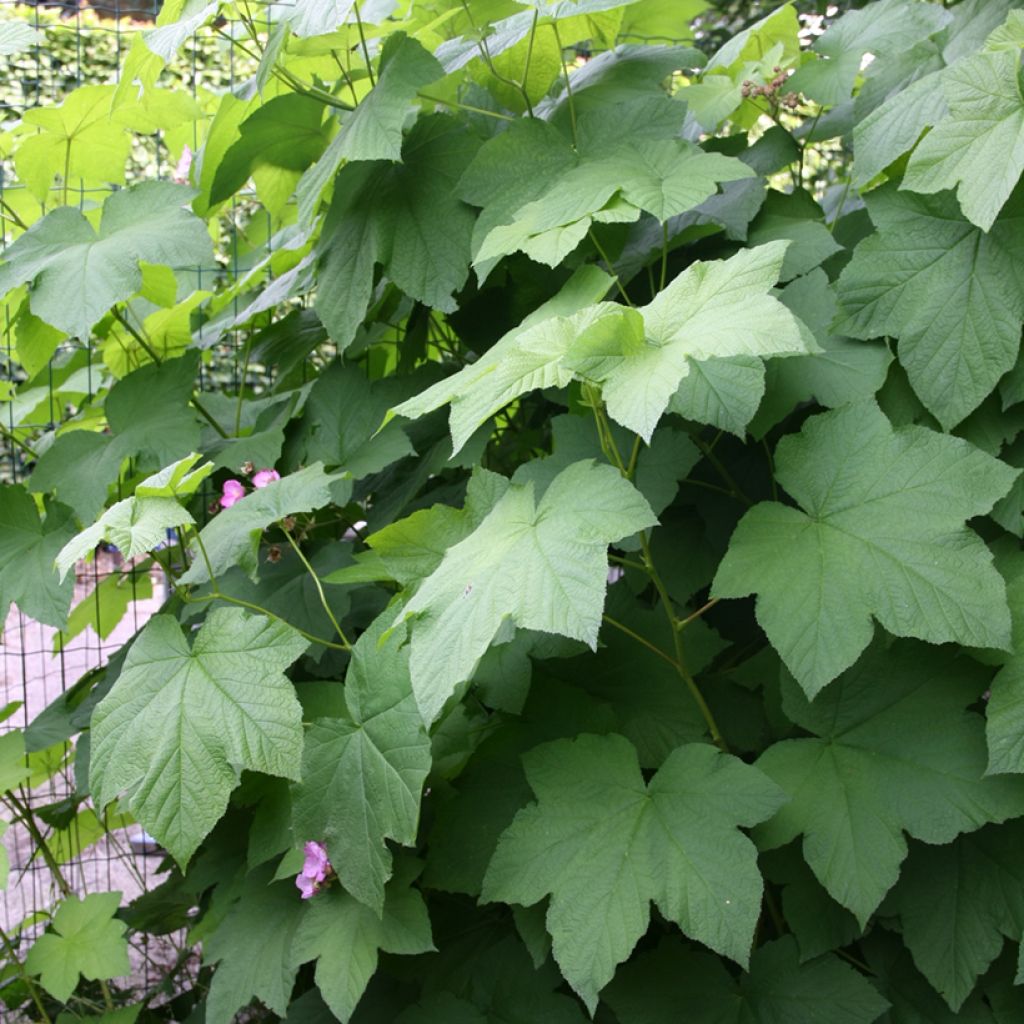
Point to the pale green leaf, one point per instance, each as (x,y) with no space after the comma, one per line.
(603,844)
(77,273)
(978,148)
(85,941)
(183,719)
(870,772)
(536,562)
(16,36)
(879,534)
(134,526)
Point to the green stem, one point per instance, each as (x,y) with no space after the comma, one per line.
(526,65)
(107,999)
(720,469)
(30,984)
(12,214)
(464,106)
(318,585)
(568,87)
(684,672)
(24,814)
(611,269)
(653,648)
(366,51)
(664,256)
(14,439)
(681,624)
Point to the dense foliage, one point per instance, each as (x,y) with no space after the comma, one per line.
(612,606)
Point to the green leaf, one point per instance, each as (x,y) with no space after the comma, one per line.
(777,990)
(28,545)
(13,767)
(531,355)
(78,273)
(871,773)
(286,133)
(233,536)
(843,371)
(373,131)
(362,773)
(951,293)
(603,844)
(664,177)
(537,562)
(879,535)
(78,140)
(85,941)
(1005,712)
(886,28)
(344,938)
(893,127)
(639,357)
(711,310)
(978,148)
(958,902)
(405,217)
(794,217)
(16,36)
(253,948)
(182,720)
(134,526)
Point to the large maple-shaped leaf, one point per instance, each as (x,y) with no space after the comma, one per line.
(879,535)
(77,273)
(638,357)
(28,546)
(603,843)
(779,989)
(362,773)
(403,216)
(957,903)
(182,720)
(85,941)
(951,293)
(978,148)
(538,562)
(871,772)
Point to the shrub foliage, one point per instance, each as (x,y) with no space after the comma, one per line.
(606,601)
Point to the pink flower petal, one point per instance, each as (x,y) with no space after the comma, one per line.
(264,477)
(232,491)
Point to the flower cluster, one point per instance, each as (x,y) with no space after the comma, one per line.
(315,870)
(234,490)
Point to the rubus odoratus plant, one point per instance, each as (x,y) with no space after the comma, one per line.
(599,593)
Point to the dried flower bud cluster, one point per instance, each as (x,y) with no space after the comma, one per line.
(772,91)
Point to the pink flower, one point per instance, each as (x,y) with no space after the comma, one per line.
(233,490)
(180,173)
(264,477)
(315,869)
